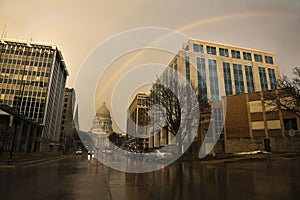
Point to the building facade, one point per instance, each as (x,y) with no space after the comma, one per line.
(221,70)
(32,82)
(137,113)
(217,71)
(254,123)
(68,131)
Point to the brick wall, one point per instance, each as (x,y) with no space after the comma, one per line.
(237,121)
(243,145)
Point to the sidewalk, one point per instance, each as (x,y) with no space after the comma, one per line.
(230,158)
(22,159)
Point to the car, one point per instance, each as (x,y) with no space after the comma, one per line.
(159,155)
(108,151)
(78,152)
(162,154)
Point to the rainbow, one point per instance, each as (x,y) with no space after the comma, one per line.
(123,68)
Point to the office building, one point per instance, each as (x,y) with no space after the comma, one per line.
(216,71)
(32,82)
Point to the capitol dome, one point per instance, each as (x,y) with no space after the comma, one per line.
(103,111)
(103,116)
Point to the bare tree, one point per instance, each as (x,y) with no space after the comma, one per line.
(288,95)
(170,99)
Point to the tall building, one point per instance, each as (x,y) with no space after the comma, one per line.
(219,70)
(216,70)
(32,82)
(68,131)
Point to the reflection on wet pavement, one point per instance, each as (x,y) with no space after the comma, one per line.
(77,179)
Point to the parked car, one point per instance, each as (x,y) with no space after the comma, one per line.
(78,152)
(162,154)
(159,155)
(108,151)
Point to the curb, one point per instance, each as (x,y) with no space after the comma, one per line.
(278,157)
(31,162)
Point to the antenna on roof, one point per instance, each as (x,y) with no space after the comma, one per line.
(3,32)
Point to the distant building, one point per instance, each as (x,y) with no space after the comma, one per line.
(68,131)
(32,82)
(104,118)
(99,136)
(137,112)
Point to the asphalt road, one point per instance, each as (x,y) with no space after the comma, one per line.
(73,178)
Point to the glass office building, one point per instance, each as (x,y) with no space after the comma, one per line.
(221,70)
(32,82)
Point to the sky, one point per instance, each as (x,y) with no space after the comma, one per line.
(78,26)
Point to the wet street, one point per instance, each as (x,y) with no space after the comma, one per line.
(74,178)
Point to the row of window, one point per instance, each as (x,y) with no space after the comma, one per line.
(26,62)
(9,72)
(239,82)
(41,83)
(31,52)
(234,53)
(238,78)
(33,93)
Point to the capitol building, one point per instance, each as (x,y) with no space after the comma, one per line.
(104,119)
(102,127)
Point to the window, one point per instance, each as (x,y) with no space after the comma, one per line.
(187,68)
(201,72)
(249,78)
(175,75)
(263,78)
(272,78)
(186,48)
(198,48)
(290,124)
(235,54)
(211,50)
(227,78)
(257,58)
(213,80)
(247,56)
(223,52)
(238,79)
(218,123)
(269,59)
